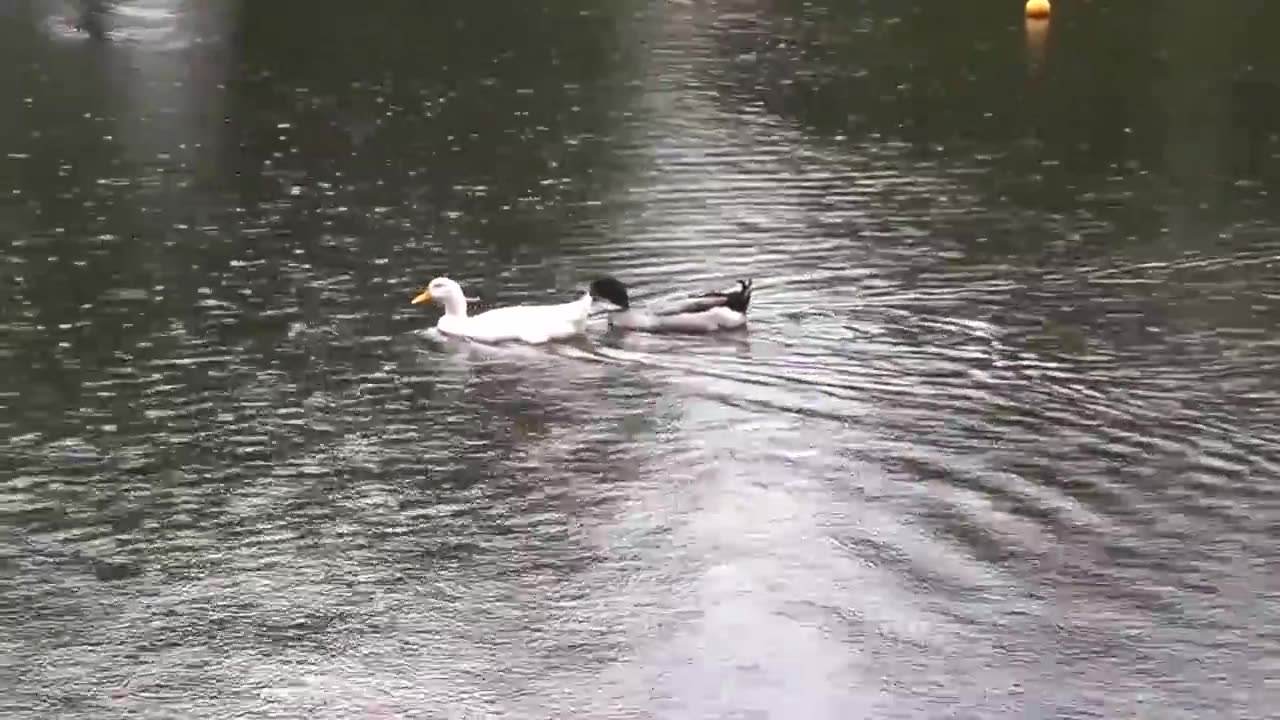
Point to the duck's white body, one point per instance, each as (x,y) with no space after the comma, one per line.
(524,323)
(709,312)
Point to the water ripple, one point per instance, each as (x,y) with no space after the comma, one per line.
(968,454)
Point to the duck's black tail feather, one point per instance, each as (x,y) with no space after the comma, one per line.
(736,300)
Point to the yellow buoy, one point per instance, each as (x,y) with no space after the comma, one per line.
(1037,9)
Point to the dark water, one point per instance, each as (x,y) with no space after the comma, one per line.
(1002,440)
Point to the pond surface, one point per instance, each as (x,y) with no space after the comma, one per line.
(1002,439)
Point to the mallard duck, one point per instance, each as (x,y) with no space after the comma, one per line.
(708,312)
(526,323)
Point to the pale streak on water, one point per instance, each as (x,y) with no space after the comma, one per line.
(922,484)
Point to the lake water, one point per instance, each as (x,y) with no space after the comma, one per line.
(1002,439)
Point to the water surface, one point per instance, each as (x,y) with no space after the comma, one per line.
(1000,441)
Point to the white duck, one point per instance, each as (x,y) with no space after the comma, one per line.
(527,323)
(708,312)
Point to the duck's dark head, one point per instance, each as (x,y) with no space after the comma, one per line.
(611,289)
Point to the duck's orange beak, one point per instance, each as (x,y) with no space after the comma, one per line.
(423,296)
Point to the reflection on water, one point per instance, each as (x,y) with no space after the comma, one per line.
(1000,439)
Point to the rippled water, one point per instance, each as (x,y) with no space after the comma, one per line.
(1001,440)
